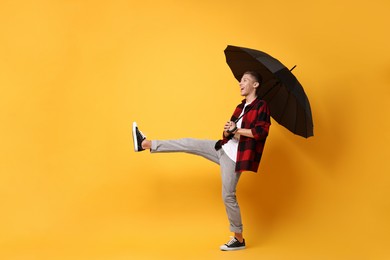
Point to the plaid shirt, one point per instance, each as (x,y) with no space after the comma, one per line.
(250,149)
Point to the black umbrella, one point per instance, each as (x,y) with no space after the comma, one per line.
(285,96)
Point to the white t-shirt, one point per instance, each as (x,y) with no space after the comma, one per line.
(231,147)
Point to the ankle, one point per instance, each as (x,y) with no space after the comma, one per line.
(239,237)
(146,144)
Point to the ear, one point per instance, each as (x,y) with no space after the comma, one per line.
(256,84)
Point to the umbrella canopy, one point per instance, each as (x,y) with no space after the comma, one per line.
(285,96)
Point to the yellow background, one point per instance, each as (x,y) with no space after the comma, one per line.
(75,74)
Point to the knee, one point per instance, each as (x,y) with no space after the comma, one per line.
(229,198)
(189,142)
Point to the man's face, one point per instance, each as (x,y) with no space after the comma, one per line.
(248,85)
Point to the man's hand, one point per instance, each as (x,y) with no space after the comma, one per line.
(229,126)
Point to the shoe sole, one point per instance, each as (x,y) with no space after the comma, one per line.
(135,137)
(232,248)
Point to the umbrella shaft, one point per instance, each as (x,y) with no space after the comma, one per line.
(249,108)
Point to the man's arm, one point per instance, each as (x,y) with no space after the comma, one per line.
(244,132)
(230,129)
(258,132)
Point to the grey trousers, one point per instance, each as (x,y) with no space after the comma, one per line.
(229,176)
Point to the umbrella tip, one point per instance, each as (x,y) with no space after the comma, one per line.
(293,68)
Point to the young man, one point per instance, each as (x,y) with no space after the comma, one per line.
(239,150)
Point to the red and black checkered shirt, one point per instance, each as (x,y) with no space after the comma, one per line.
(250,149)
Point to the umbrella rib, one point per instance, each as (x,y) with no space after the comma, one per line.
(285,104)
(296,117)
(271,88)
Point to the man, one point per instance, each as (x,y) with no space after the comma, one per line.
(239,150)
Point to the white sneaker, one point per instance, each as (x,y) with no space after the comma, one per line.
(233,244)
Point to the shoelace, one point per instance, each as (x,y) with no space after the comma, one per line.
(232,241)
(141,134)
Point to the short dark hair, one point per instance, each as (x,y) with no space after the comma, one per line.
(257,77)
(254,74)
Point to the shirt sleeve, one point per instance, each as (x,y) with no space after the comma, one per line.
(263,122)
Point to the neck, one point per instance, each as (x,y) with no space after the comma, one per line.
(250,98)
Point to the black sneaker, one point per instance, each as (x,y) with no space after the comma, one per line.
(138,137)
(233,244)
